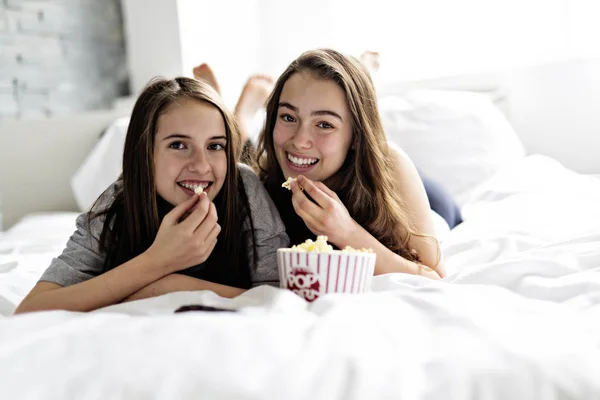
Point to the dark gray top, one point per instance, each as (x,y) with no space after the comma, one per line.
(82,260)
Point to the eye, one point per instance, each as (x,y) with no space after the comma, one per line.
(177,145)
(216,146)
(325,125)
(287,118)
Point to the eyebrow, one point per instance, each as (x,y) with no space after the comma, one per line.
(314,113)
(182,136)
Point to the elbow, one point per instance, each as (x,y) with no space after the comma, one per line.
(431,274)
(441,274)
(440,270)
(25,307)
(436,273)
(35,303)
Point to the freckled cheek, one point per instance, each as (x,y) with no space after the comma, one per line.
(168,168)
(329,147)
(220,167)
(281,135)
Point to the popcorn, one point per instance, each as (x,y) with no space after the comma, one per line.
(287,183)
(349,249)
(321,246)
(198,190)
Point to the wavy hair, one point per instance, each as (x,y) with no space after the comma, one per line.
(365,182)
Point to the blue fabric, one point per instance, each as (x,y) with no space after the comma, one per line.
(442,202)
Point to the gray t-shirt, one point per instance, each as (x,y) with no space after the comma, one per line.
(82,260)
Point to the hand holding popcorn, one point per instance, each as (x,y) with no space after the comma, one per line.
(288,182)
(329,217)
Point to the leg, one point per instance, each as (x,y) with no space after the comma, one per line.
(442,202)
(371,60)
(254,95)
(204,72)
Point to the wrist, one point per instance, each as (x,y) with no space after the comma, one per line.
(349,236)
(154,262)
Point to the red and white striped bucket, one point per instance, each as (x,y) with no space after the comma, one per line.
(312,274)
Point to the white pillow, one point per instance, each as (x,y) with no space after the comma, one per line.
(456,138)
(102,166)
(440,225)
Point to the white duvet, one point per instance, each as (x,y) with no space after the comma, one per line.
(518,317)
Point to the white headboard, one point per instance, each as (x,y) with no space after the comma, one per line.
(39,157)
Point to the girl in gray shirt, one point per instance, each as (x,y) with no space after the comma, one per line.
(151,233)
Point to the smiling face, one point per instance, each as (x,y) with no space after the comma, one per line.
(189,151)
(313,130)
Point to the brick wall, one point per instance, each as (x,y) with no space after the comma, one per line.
(60,56)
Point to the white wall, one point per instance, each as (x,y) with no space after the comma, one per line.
(171,37)
(38,158)
(152,40)
(224,34)
(555,110)
(288,29)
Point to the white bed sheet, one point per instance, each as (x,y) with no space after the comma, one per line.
(518,317)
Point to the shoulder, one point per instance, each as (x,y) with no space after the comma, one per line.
(256,192)
(248,176)
(405,174)
(399,156)
(93,221)
(107,198)
(409,186)
(253,186)
(263,210)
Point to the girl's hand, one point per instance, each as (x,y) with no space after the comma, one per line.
(180,244)
(328,217)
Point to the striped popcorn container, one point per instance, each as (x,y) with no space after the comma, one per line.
(313,274)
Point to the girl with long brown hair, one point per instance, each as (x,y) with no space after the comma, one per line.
(323,127)
(151,233)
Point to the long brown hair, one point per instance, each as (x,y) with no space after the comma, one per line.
(133,218)
(365,182)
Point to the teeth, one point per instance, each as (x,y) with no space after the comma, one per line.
(301,161)
(194,186)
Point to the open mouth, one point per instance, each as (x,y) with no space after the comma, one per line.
(300,163)
(191,187)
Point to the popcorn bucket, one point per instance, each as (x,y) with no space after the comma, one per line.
(313,274)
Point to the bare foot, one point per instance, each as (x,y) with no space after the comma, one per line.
(371,60)
(254,96)
(204,72)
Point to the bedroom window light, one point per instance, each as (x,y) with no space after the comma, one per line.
(434,38)
(416,39)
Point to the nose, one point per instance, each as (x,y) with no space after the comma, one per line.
(303,137)
(199,162)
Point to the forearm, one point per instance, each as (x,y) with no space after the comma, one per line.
(182,283)
(103,290)
(387,261)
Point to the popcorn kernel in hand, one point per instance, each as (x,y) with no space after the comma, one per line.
(287,183)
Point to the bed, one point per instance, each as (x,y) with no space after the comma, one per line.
(517,317)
